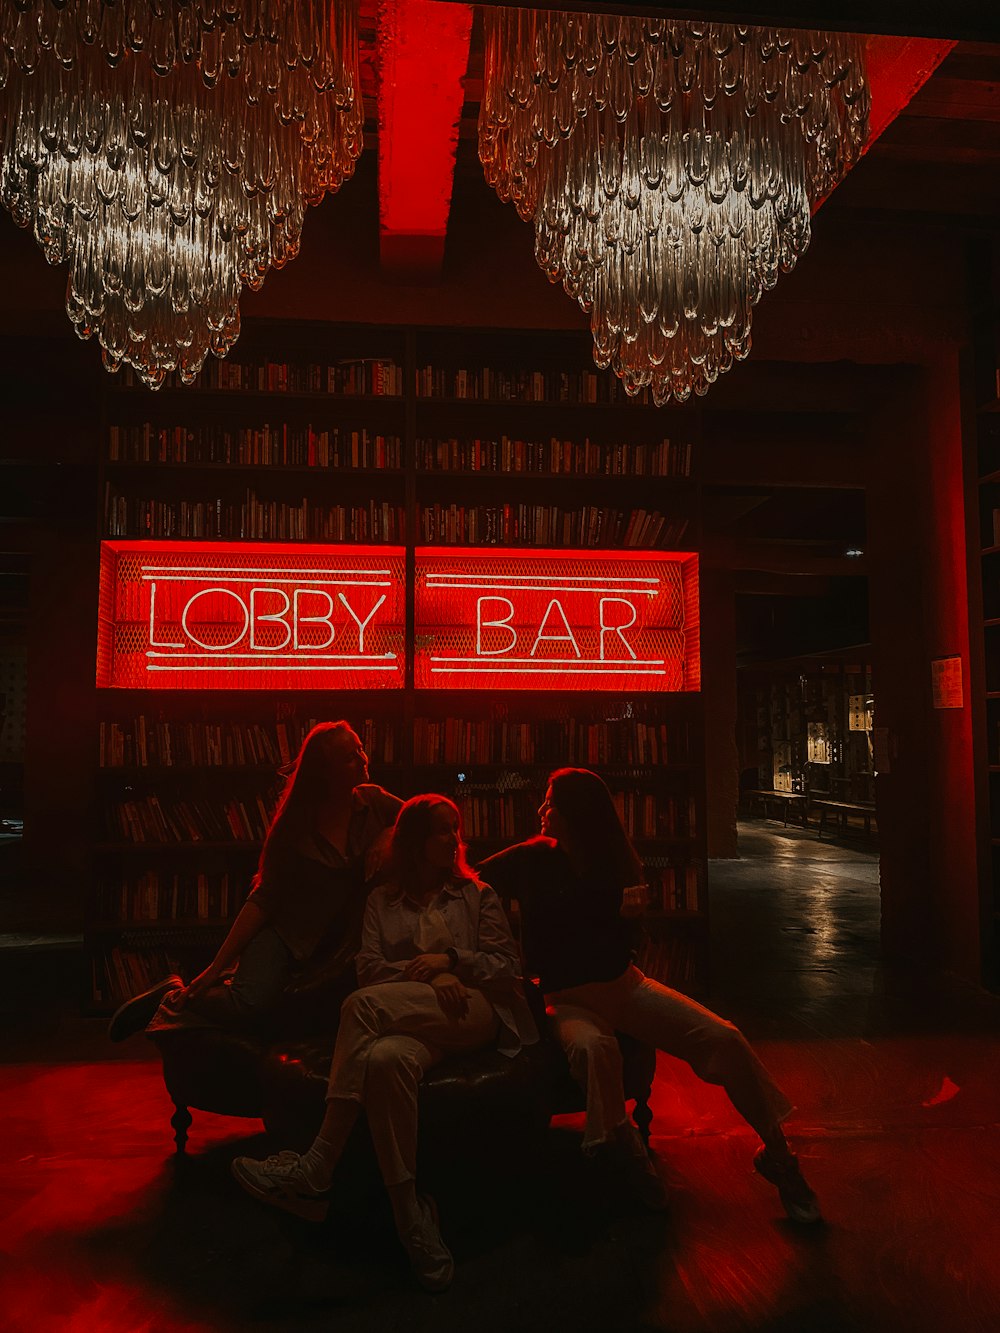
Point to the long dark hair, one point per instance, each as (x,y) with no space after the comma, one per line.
(600,845)
(307,783)
(414,825)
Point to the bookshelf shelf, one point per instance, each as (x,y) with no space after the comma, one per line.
(680,486)
(154,772)
(333,473)
(175,848)
(186,394)
(164,925)
(541,405)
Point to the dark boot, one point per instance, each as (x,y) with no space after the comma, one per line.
(797,1198)
(634,1161)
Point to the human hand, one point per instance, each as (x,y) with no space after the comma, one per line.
(451,995)
(202,982)
(426,966)
(634,900)
(377,853)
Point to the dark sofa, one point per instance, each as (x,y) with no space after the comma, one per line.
(279,1076)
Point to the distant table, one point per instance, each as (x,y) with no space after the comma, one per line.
(841,811)
(787,802)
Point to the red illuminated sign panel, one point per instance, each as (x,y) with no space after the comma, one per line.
(556,620)
(190,615)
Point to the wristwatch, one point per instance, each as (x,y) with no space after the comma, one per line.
(452,954)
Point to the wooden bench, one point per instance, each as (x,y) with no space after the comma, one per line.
(788,802)
(841,812)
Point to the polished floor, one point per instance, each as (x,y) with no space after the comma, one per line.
(898,1102)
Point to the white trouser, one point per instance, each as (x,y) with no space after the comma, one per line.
(389,1036)
(586,1018)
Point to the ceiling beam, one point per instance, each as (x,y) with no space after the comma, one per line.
(423,55)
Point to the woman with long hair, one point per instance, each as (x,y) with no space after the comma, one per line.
(570,884)
(440,974)
(322,849)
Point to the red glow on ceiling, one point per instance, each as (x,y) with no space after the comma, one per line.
(423,54)
(556,620)
(243,616)
(897,68)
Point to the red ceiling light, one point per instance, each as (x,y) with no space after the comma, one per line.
(243,616)
(423,54)
(556,620)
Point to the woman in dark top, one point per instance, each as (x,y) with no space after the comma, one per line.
(570,884)
(325,843)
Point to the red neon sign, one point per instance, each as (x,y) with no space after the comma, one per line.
(556,620)
(193,615)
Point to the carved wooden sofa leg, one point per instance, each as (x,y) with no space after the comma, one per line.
(643,1116)
(180,1122)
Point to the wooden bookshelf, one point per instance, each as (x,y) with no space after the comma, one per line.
(404,436)
(804,731)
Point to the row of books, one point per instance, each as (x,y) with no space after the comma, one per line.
(672,888)
(669,958)
(495,815)
(514,815)
(147,819)
(251,519)
(521,386)
(548,525)
(119,973)
(665,458)
(380,521)
(264,446)
(625,742)
(180,896)
(647,815)
(377,376)
(142,742)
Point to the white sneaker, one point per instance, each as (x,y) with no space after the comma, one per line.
(430,1258)
(281,1182)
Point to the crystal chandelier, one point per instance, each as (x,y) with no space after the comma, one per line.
(668,168)
(167,152)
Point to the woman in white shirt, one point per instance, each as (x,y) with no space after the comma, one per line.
(440,974)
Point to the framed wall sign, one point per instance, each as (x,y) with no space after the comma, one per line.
(517,619)
(248,616)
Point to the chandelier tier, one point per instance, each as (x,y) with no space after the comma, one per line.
(669,169)
(168,153)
